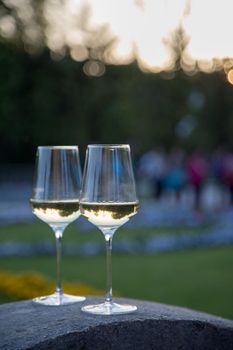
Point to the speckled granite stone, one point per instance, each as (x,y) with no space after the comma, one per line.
(26,325)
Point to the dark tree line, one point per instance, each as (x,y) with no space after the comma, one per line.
(46,102)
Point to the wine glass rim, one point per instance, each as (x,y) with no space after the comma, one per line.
(109,145)
(57,147)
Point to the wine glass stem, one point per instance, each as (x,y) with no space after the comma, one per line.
(108,240)
(58,235)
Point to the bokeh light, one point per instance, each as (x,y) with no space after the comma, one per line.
(94,68)
(230,76)
(160,34)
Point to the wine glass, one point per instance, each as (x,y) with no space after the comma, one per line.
(55,200)
(108,200)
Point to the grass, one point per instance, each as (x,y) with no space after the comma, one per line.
(200,279)
(40,231)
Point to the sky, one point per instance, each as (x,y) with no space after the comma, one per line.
(144,27)
(143,30)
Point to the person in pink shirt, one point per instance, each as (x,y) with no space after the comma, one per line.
(197,172)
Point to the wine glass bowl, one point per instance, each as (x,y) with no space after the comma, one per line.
(108,200)
(55,200)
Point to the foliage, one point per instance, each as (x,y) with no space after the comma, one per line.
(45,102)
(29,285)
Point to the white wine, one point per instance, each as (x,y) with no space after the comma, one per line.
(108,214)
(56,212)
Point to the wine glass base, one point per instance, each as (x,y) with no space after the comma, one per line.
(57,299)
(109,308)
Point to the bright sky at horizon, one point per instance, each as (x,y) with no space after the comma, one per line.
(143,29)
(209,27)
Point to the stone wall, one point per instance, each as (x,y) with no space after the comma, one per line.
(26,325)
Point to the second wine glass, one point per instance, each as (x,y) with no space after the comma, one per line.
(108,200)
(55,200)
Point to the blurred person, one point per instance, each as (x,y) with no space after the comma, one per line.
(228,173)
(217,165)
(175,178)
(197,168)
(152,166)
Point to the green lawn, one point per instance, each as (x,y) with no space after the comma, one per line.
(40,231)
(199,279)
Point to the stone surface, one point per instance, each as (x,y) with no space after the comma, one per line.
(26,325)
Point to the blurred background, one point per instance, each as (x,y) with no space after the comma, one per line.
(157,75)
